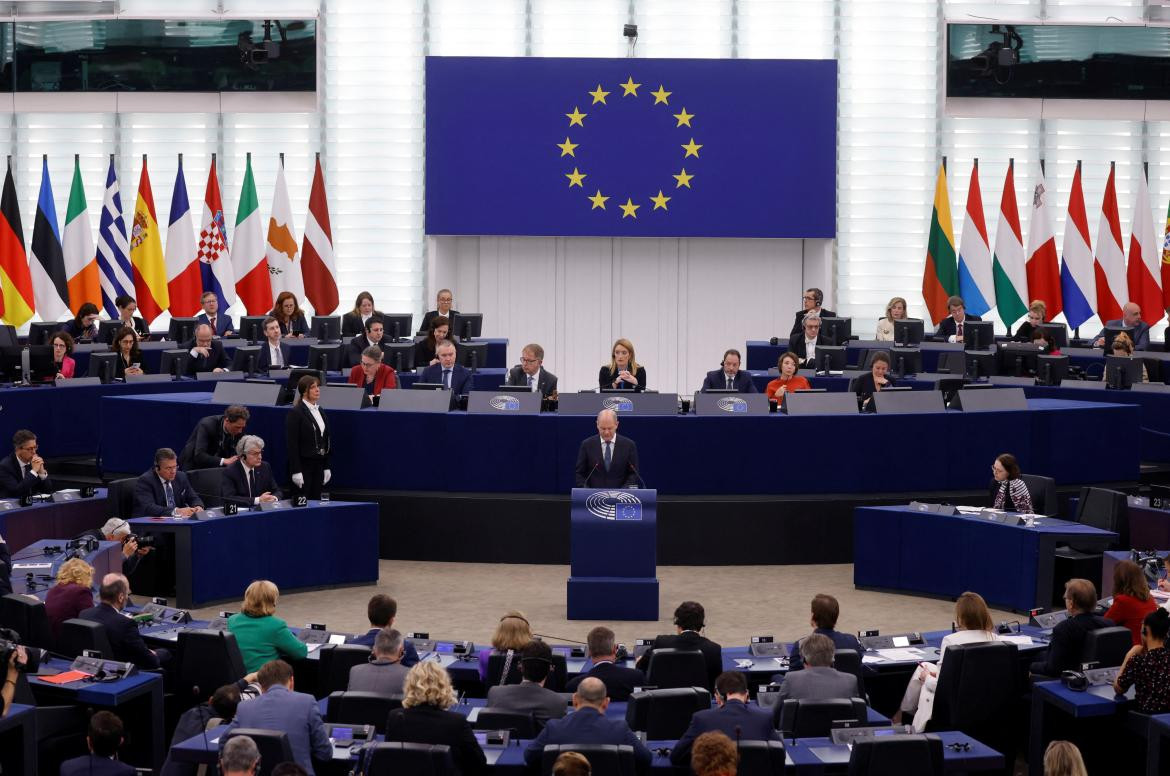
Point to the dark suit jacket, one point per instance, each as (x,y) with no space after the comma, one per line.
(606,376)
(736,719)
(92,765)
(947,326)
(409,653)
(796,344)
(120,366)
(123,634)
(264,360)
(12,485)
(233,486)
(295,714)
(5,568)
(798,324)
(432,725)
(1068,639)
(460,380)
(223,323)
(865,390)
(139,326)
(840,641)
(546,383)
(353,325)
(712,652)
(619,680)
(303,438)
(353,350)
(81,333)
(432,315)
(591,471)
(1141,333)
(207,445)
(151,501)
(424,354)
(216,359)
(296,325)
(588,726)
(717,380)
(528,696)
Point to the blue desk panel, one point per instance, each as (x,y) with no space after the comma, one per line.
(22,526)
(1155,412)
(18,740)
(1089,719)
(678,454)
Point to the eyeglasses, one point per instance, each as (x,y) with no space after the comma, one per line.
(369,364)
(528,360)
(809,298)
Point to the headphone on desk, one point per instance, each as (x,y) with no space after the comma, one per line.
(1075,680)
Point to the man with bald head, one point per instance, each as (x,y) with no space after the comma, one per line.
(206,353)
(1131,318)
(588,725)
(125,641)
(607,460)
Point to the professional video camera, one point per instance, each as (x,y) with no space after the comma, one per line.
(9,641)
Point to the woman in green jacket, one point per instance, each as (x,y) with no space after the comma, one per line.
(260,635)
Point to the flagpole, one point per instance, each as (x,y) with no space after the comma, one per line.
(282,160)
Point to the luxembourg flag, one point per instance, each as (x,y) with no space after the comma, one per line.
(184,284)
(1077,283)
(976,285)
(215,261)
(1109,266)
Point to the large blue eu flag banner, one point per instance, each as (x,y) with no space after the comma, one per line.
(631,147)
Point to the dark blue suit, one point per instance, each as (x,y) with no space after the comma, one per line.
(588,726)
(233,486)
(840,641)
(12,485)
(223,323)
(264,360)
(460,379)
(619,681)
(92,765)
(151,501)
(717,380)
(293,713)
(409,653)
(736,719)
(123,634)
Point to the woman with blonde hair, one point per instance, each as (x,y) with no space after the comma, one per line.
(1037,314)
(895,311)
(72,594)
(260,634)
(1123,346)
(623,371)
(1062,758)
(512,635)
(973,625)
(425,718)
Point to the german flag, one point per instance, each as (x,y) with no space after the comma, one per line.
(16,288)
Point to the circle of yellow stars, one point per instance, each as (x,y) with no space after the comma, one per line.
(629,89)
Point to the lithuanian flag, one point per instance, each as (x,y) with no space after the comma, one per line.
(940,279)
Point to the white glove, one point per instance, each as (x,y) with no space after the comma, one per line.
(328,476)
(298,480)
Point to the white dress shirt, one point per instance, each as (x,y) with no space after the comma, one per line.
(315,413)
(275,358)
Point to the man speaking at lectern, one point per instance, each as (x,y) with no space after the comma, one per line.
(607,460)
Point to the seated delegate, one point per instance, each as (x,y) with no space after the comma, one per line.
(372,374)
(126,307)
(248,481)
(530,372)
(128,359)
(1131,318)
(426,351)
(164,491)
(261,635)
(689,619)
(444,308)
(83,327)
(620,681)
(23,473)
(895,311)
(122,632)
(623,371)
(1131,598)
(588,724)
(426,718)
(375,329)
(289,315)
(1123,347)
(274,351)
(353,323)
(71,596)
(455,378)
(1147,666)
(950,329)
(810,303)
(1037,313)
(1008,491)
(788,380)
(207,353)
(1068,637)
(220,323)
(817,680)
(512,634)
(826,610)
(62,346)
(729,377)
(804,342)
(877,380)
(733,716)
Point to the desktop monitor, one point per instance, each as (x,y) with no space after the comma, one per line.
(838,330)
(107,330)
(399,355)
(908,331)
(39,333)
(1056,333)
(1111,333)
(472,356)
(1018,358)
(979,363)
(426,387)
(397,325)
(466,326)
(289,392)
(41,368)
(1123,371)
(101,365)
(1051,370)
(8,338)
(326,328)
(978,335)
(327,358)
(252,327)
(10,359)
(174,362)
(905,361)
(245,359)
(830,358)
(181,330)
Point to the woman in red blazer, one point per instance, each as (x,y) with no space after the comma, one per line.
(71,595)
(372,373)
(1131,598)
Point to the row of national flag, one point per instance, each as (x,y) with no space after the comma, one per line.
(1079,282)
(63,269)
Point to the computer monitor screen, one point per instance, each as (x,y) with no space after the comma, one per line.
(830,358)
(181,330)
(908,331)
(399,355)
(979,363)
(1051,370)
(10,364)
(41,368)
(101,365)
(1018,358)
(107,330)
(426,386)
(39,333)
(246,358)
(173,362)
(397,325)
(905,361)
(326,328)
(327,358)
(978,335)
(1056,334)
(1122,371)
(467,325)
(472,356)
(294,376)
(1111,333)
(838,330)
(252,327)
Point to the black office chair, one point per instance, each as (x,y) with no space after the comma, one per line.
(395,757)
(522,723)
(207,660)
(361,707)
(978,691)
(802,718)
(26,615)
(273,745)
(206,482)
(556,677)
(666,713)
(604,759)
(1105,646)
(334,662)
(78,635)
(1042,490)
(1100,508)
(120,498)
(897,756)
(677,668)
(848,661)
(8,338)
(760,758)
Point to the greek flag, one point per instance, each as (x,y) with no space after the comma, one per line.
(112,249)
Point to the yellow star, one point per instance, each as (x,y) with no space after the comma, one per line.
(598,95)
(575,178)
(684,118)
(597,200)
(630,209)
(660,201)
(568,146)
(576,117)
(683,179)
(661,95)
(629,87)
(692,149)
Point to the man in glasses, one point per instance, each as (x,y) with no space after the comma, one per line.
(811,304)
(530,372)
(23,473)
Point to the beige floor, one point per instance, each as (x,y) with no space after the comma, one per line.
(465,600)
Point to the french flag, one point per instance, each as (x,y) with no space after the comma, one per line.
(183,282)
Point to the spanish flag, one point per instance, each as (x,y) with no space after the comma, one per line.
(16,288)
(146,254)
(940,279)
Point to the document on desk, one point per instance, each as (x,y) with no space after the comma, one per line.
(902,655)
(65,677)
(1019,640)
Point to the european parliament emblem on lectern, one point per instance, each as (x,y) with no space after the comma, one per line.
(613,535)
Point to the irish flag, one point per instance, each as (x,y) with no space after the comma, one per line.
(81,266)
(940,279)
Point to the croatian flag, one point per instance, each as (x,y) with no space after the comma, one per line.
(215,261)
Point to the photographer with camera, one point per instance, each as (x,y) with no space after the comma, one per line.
(17,661)
(134,547)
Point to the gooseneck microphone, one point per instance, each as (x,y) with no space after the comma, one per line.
(634,469)
(585,484)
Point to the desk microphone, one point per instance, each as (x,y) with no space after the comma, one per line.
(639,476)
(585,484)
